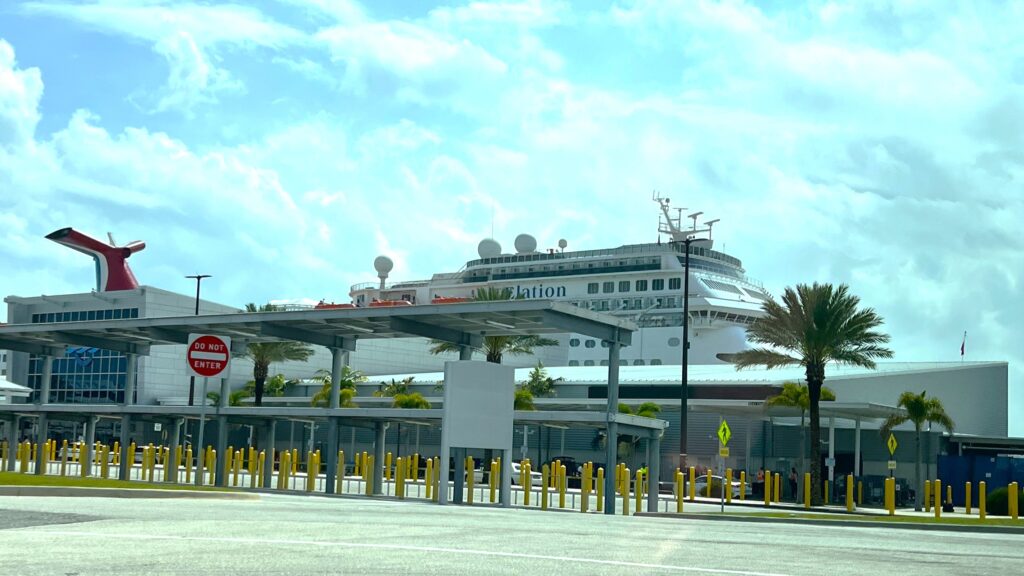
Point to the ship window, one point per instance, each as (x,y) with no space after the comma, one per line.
(674,283)
(673,342)
(658,284)
(604,362)
(638,362)
(592,288)
(624,286)
(608,287)
(588,362)
(590,343)
(655,362)
(574,342)
(623,362)
(605,344)
(574,362)
(641,285)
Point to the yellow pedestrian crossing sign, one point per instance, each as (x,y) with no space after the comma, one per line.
(724,433)
(891,443)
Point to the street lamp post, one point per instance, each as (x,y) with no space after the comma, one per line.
(192,379)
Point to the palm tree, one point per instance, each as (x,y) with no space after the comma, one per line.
(234,399)
(347,382)
(394,388)
(524,400)
(812,326)
(645,410)
(919,410)
(496,347)
(539,383)
(795,395)
(413,400)
(263,354)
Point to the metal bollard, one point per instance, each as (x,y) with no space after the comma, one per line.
(600,489)
(767,488)
(339,475)
(239,456)
(371,473)
(561,486)
(625,496)
(387,466)
(188,465)
(1013,498)
(927,495)
(981,500)
(117,453)
(639,490)
(860,493)
(938,498)
(708,495)
(414,470)
(693,484)
(728,485)
(178,452)
(743,485)
(492,479)
(679,491)
(528,484)
(261,462)
(949,494)
(585,488)
(545,474)
(849,492)
(428,480)
(105,464)
(283,466)
(295,461)
(826,493)
(967,498)
(64,458)
(469,479)
(399,477)
(777,486)
(310,475)
(807,490)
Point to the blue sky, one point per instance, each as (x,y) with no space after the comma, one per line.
(282,145)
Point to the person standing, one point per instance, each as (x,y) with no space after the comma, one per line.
(793,485)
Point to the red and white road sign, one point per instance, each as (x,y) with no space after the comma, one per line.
(208,355)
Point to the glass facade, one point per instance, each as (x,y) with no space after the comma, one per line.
(83,374)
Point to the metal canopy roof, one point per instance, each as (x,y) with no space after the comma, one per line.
(462,324)
(758,409)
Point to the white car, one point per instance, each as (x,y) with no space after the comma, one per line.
(701,485)
(535,476)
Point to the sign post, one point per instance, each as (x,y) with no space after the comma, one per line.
(724,434)
(208,356)
(891,444)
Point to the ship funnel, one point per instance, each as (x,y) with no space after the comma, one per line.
(112,271)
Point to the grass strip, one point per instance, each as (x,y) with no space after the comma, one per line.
(989,521)
(18,479)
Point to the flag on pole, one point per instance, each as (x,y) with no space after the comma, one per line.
(963,344)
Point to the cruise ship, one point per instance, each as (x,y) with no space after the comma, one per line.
(642,282)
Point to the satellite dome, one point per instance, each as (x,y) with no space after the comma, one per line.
(383,265)
(562,243)
(526,244)
(488,248)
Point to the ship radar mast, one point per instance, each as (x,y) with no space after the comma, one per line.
(673,225)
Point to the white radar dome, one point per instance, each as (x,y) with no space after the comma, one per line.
(383,265)
(526,244)
(562,243)
(488,248)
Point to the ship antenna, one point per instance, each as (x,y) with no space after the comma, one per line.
(711,223)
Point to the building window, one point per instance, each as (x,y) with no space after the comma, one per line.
(624,286)
(641,285)
(658,284)
(673,342)
(589,344)
(675,283)
(574,342)
(608,287)
(592,288)
(655,362)
(588,362)
(574,362)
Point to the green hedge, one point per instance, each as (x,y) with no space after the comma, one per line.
(997,502)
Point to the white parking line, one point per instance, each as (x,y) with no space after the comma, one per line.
(106,536)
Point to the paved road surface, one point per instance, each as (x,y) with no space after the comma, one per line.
(282,534)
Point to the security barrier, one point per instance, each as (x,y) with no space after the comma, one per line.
(743,485)
(807,490)
(981,500)
(545,473)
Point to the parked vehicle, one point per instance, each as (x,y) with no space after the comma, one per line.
(535,476)
(701,485)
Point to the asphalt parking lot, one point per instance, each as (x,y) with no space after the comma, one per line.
(283,534)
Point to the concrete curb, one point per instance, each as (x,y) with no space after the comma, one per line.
(980,528)
(85,492)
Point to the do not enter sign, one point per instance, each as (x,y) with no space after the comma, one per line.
(208,355)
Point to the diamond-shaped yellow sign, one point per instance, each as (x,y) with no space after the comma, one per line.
(891,443)
(724,433)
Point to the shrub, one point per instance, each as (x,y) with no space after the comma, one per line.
(997,502)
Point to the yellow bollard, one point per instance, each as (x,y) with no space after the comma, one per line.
(370,473)
(34,448)
(339,474)
(284,467)
(493,480)
(693,484)
(767,488)
(399,477)
(528,484)
(1013,498)
(949,494)
(777,486)
(728,484)
(981,500)
(414,470)
(679,491)
(938,498)
(178,452)
(117,453)
(860,493)
(885,495)
(545,474)
(188,465)
(310,461)
(708,495)
(239,456)
(625,496)
(967,498)
(261,462)
(585,488)
(3,455)
(105,464)
(743,485)
(64,458)
(131,459)
(554,474)
(807,490)
(639,490)
(428,479)
(388,459)
(295,461)
(437,476)
(927,495)
(211,466)
(561,486)
(469,479)
(826,492)
(600,489)
(849,492)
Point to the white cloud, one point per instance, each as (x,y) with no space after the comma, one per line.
(20,91)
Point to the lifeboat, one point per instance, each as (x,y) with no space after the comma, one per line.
(331,306)
(388,303)
(449,300)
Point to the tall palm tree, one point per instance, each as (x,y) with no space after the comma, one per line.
(496,347)
(539,383)
(795,395)
(394,388)
(263,354)
(347,382)
(919,410)
(812,326)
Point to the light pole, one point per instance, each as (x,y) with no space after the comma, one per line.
(684,393)
(192,379)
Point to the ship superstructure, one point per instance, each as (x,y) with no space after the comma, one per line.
(643,282)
